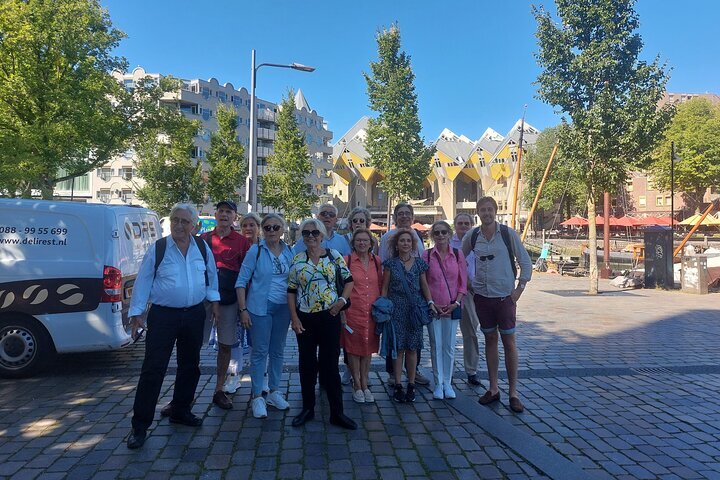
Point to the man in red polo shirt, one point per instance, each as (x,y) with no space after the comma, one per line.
(229,249)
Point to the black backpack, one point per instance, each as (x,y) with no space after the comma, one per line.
(161,246)
(505,234)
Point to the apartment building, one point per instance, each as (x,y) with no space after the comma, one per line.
(462,170)
(116,181)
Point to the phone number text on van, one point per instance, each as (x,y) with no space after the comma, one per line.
(36,230)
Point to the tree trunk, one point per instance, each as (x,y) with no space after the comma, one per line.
(592,246)
(389,212)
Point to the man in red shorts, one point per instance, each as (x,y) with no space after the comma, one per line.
(497,248)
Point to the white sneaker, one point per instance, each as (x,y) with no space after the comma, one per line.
(232,383)
(438,393)
(347,376)
(369,397)
(266,386)
(277,400)
(448,390)
(258,407)
(359,396)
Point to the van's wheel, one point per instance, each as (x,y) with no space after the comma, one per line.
(25,347)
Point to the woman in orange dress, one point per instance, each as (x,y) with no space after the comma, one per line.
(358,336)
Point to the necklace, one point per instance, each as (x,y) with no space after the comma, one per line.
(406,259)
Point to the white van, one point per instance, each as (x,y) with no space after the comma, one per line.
(66,275)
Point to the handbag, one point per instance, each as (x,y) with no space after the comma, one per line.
(226,285)
(339,280)
(419,309)
(457,313)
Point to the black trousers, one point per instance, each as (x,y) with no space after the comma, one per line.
(166,327)
(390,363)
(319,351)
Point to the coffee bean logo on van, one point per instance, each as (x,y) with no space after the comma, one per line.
(75,296)
(41,296)
(6,298)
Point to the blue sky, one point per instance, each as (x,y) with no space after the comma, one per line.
(473,59)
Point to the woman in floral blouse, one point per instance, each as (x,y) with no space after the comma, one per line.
(315,306)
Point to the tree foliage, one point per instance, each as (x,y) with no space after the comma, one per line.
(165,163)
(284,186)
(592,72)
(60,107)
(226,158)
(694,129)
(393,141)
(565,182)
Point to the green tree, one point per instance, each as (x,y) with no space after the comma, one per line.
(228,166)
(60,107)
(564,188)
(393,140)
(592,73)
(284,187)
(694,129)
(164,162)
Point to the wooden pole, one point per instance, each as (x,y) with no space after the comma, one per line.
(539,192)
(707,212)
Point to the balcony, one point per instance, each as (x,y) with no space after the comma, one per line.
(266,115)
(264,151)
(266,134)
(466,205)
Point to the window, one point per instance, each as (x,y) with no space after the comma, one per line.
(642,201)
(105,173)
(668,200)
(126,173)
(198,152)
(659,201)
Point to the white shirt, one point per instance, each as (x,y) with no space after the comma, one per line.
(384,254)
(179,282)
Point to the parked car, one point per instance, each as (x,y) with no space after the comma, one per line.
(67,271)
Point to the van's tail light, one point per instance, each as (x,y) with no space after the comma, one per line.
(112,285)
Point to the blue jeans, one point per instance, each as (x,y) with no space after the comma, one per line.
(268,334)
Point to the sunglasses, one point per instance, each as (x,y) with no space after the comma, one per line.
(486,257)
(327,214)
(358,220)
(271,228)
(139,335)
(311,233)
(438,233)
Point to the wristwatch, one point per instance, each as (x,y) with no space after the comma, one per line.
(343,299)
(458,303)
(244,309)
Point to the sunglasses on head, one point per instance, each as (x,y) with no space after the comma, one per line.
(486,257)
(440,232)
(358,220)
(271,228)
(327,214)
(311,233)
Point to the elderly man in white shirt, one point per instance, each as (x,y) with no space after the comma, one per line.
(176,282)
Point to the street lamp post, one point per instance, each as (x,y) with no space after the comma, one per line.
(251,184)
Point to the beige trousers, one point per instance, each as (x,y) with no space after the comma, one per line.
(469,324)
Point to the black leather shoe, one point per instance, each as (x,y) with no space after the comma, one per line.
(187,419)
(136,439)
(166,411)
(343,421)
(474,380)
(303,417)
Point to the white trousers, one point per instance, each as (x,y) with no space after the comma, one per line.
(442,349)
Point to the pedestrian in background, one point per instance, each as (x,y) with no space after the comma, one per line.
(469,322)
(497,248)
(404,283)
(358,338)
(315,304)
(175,282)
(447,278)
(262,300)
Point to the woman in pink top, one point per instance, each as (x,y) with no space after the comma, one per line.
(447,278)
(358,335)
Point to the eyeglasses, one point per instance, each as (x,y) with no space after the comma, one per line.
(309,233)
(271,228)
(358,220)
(438,233)
(180,221)
(482,258)
(278,266)
(404,214)
(463,223)
(327,214)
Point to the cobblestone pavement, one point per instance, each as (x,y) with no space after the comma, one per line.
(620,385)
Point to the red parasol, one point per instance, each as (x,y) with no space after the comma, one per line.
(574,221)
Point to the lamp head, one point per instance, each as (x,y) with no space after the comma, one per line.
(301,67)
